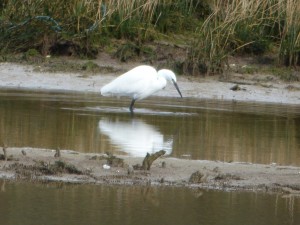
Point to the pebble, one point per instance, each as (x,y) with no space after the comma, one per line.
(106,167)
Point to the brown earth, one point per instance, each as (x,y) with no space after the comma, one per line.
(255,87)
(75,167)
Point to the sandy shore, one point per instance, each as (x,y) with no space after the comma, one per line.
(257,88)
(40,165)
(33,164)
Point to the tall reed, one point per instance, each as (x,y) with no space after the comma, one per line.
(214,29)
(289,52)
(28,24)
(238,25)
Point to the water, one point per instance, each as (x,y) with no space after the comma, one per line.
(185,128)
(46,204)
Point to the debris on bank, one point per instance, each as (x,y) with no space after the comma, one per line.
(41,165)
(148,160)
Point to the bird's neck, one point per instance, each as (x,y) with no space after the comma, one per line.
(162,74)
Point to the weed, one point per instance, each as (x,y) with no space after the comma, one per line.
(56,168)
(115,161)
(44,168)
(196,177)
(90,66)
(213,30)
(286,74)
(250,27)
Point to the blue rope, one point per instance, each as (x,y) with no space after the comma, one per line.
(56,26)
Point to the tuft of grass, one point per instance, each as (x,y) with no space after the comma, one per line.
(286,74)
(114,161)
(289,51)
(90,66)
(56,168)
(240,26)
(196,177)
(245,69)
(41,168)
(130,51)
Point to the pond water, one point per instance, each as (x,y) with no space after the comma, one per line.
(185,128)
(47,204)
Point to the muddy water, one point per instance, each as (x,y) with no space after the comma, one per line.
(25,203)
(185,128)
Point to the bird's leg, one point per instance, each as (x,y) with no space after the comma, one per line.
(131,105)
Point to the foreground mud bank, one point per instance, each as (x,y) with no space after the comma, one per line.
(73,167)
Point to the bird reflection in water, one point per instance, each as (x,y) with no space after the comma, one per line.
(135,137)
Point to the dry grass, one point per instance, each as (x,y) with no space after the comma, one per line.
(234,25)
(217,28)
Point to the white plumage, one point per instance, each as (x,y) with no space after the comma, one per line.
(139,83)
(135,137)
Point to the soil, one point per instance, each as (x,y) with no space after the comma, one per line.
(236,87)
(76,167)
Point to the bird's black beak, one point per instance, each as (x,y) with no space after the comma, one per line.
(177,88)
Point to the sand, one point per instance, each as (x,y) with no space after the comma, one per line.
(30,164)
(254,88)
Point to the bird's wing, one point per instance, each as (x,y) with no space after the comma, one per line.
(132,83)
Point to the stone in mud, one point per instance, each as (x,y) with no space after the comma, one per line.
(196,177)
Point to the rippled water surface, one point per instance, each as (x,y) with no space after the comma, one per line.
(24,203)
(185,128)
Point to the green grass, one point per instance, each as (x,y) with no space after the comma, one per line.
(211,30)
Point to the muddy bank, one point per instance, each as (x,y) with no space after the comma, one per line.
(257,88)
(75,167)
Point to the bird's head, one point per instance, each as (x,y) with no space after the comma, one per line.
(171,77)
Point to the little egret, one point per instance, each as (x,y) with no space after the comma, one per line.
(139,83)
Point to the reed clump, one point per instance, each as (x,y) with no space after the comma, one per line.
(251,27)
(77,24)
(213,30)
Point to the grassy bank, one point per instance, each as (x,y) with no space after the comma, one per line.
(209,31)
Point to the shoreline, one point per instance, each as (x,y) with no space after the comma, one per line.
(211,174)
(251,88)
(33,165)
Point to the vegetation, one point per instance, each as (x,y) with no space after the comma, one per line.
(211,30)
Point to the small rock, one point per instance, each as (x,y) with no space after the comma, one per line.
(216,169)
(94,157)
(235,88)
(130,170)
(106,167)
(137,167)
(4,152)
(57,153)
(196,177)
(115,161)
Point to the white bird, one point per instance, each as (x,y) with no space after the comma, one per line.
(139,83)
